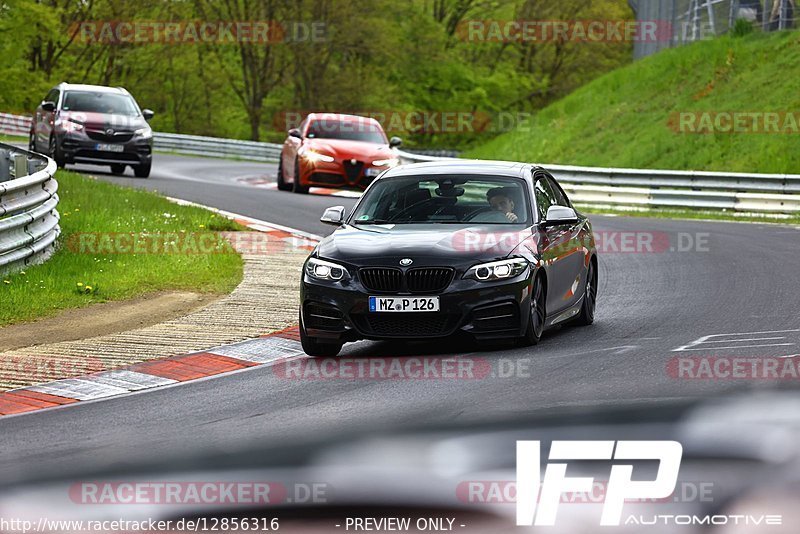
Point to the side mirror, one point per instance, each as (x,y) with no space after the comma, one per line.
(48,106)
(294,132)
(395,142)
(334,215)
(147,114)
(558,215)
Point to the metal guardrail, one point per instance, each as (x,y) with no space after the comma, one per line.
(635,188)
(216,147)
(641,188)
(28,215)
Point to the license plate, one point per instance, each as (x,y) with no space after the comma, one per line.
(404,304)
(370,172)
(109,148)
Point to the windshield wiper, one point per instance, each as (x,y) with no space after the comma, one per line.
(373,221)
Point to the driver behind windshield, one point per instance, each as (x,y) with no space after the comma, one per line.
(499,199)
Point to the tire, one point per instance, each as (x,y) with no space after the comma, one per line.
(314,347)
(142,171)
(586,316)
(538,315)
(118,169)
(282,185)
(296,187)
(55,153)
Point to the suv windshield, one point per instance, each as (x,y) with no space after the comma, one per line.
(444,200)
(99,102)
(352,130)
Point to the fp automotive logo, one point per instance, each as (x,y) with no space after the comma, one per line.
(620,486)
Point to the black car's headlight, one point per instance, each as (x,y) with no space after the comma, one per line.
(497,270)
(324,270)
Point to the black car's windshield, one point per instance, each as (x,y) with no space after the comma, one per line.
(350,130)
(444,200)
(100,102)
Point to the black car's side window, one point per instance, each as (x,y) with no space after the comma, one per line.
(558,195)
(544,197)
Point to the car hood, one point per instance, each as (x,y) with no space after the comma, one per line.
(344,149)
(104,121)
(424,244)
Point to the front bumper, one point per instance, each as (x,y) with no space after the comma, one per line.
(339,173)
(494,310)
(79,148)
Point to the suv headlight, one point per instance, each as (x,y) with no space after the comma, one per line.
(497,270)
(69,125)
(144,133)
(324,270)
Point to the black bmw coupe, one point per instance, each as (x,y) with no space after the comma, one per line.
(492,249)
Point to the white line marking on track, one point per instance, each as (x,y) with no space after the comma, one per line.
(253,220)
(698,344)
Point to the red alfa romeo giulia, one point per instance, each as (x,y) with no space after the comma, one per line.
(335,150)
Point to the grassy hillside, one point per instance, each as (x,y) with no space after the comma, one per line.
(628,118)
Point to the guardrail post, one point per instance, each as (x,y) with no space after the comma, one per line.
(20,165)
(5,166)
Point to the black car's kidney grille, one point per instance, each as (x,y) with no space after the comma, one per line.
(418,280)
(353,170)
(428,280)
(384,280)
(405,324)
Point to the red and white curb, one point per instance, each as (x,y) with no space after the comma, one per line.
(262,183)
(149,374)
(154,373)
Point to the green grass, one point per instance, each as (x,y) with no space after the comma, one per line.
(5,138)
(623,119)
(91,207)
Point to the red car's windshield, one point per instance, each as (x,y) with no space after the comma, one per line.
(351,130)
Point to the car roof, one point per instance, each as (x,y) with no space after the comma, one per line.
(464,166)
(64,86)
(340,116)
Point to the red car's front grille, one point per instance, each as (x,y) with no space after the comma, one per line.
(353,170)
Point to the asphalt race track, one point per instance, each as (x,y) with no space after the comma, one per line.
(738,283)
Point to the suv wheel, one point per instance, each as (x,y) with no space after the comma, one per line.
(142,171)
(55,152)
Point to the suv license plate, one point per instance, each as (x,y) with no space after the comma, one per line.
(109,148)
